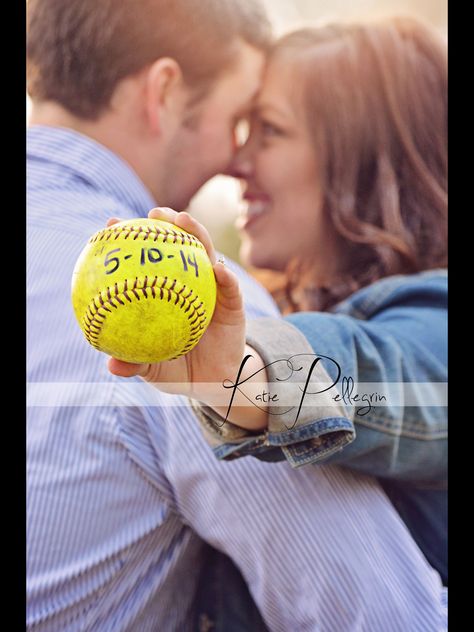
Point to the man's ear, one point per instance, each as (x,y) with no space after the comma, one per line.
(164,93)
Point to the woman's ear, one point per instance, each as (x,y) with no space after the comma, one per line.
(164,93)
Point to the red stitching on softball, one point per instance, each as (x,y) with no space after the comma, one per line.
(93,320)
(141,232)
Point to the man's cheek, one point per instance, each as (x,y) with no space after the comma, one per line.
(228,149)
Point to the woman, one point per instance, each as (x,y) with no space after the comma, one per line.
(345,171)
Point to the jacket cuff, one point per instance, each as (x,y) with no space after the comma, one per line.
(300,434)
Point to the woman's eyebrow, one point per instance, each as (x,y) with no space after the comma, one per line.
(279,113)
(265,107)
(271,107)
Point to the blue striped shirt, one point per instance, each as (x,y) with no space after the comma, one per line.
(123,496)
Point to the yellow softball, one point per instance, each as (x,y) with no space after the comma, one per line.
(143,290)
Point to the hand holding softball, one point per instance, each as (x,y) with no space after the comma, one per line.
(219,352)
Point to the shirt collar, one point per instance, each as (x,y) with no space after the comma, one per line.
(92,161)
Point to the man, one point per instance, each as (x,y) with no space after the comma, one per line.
(134,104)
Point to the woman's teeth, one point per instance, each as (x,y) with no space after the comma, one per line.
(249,211)
(256,207)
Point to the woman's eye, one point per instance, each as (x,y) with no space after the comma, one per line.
(269,130)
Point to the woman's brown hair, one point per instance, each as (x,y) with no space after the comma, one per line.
(375,96)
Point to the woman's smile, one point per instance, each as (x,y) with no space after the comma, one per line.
(254,208)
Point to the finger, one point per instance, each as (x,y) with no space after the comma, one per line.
(163,213)
(113,220)
(229,294)
(191,225)
(127,369)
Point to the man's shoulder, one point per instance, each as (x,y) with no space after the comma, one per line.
(77,184)
(71,210)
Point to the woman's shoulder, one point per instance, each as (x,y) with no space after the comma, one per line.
(423,289)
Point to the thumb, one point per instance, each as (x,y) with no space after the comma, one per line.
(127,369)
(229,295)
(113,220)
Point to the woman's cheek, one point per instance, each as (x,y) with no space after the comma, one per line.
(269,167)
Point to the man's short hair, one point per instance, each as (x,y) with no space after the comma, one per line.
(78,50)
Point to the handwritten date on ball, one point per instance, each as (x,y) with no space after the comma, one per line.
(143,290)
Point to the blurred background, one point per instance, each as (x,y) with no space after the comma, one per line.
(217,204)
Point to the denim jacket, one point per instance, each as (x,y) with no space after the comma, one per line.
(393,332)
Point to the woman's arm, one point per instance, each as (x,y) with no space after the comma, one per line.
(396,403)
(391,340)
(391,332)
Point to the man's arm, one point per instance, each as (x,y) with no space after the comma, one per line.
(320,548)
